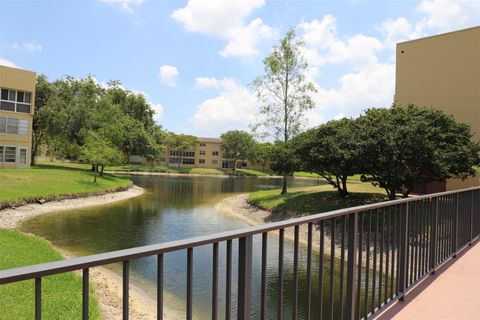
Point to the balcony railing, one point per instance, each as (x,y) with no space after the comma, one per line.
(369,257)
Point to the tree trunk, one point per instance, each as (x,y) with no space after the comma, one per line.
(95,174)
(101,171)
(391,193)
(344,187)
(234,165)
(284,185)
(35,143)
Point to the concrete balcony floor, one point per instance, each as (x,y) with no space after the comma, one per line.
(453,293)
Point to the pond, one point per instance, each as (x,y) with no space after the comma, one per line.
(174,208)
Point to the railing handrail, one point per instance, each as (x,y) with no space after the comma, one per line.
(72,264)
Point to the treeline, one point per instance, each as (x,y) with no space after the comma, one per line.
(79,119)
(394,148)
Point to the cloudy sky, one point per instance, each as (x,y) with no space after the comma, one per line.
(195,60)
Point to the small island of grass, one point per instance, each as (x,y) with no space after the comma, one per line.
(311,200)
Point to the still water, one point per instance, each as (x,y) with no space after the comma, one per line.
(174,208)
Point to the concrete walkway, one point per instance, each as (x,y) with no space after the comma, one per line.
(453,293)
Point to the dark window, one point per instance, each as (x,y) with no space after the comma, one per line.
(25,108)
(4,94)
(7,106)
(20,96)
(201,161)
(11,95)
(202,144)
(1,153)
(214,153)
(10,154)
(28,96)
(188,161)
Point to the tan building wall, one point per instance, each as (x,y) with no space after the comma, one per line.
(443,71)
(208,154)
(15,82)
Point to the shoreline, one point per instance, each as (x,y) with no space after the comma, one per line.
(106,283)
(238,207)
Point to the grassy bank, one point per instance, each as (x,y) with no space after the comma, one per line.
(61,294)
(309,200)
(50,182)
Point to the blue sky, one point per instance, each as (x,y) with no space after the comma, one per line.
(194,60)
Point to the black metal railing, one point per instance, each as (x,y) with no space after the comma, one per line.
(367,257)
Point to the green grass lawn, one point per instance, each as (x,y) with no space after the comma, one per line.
(51,181)
(316,199)
(61,294)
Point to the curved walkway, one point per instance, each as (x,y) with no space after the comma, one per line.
(453,293)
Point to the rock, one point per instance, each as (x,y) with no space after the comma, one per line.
(41,201)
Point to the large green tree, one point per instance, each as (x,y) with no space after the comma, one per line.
(283,91)
(100,153)
(331,150)
(262,154)
(237,145)
(405,146)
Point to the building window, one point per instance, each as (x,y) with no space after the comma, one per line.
(23,127)
(23,156)
(202,144)
(1,153)
(214,161)
(201,161)
(215,153)
(188,161)
(10,154)
(161,160)
(174,160)
(202,152)
(12,100)
(12,126)
(3,125)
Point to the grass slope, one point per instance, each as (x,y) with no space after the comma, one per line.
(51,181)
(61,294)
(310,200)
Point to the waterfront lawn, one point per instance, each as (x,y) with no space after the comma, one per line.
(51,181)
(356,177)
(310,200)
(61,294)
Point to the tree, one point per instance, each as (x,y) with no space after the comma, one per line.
(283,91)
(405,146)
(285,160)
(99,152)
(331,150)
(262,154)
(181,143)
(237,145)
(42,118)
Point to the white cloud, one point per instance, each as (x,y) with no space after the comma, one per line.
(234,108)
(213,83)
(7,63)
(225,19)
(31,46)
(158,109)
(449,15)
(125,5)
(168,75)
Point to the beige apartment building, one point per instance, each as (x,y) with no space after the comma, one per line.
(206,154)
(443,71)
(16,115)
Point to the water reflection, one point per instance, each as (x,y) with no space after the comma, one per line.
(176,208)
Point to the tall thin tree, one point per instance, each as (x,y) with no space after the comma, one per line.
(283,91)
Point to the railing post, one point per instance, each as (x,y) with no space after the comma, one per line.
(471,217)
(403,254)
(244,278)
(433,239)
(38,298)
(455,243)
(351,264)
